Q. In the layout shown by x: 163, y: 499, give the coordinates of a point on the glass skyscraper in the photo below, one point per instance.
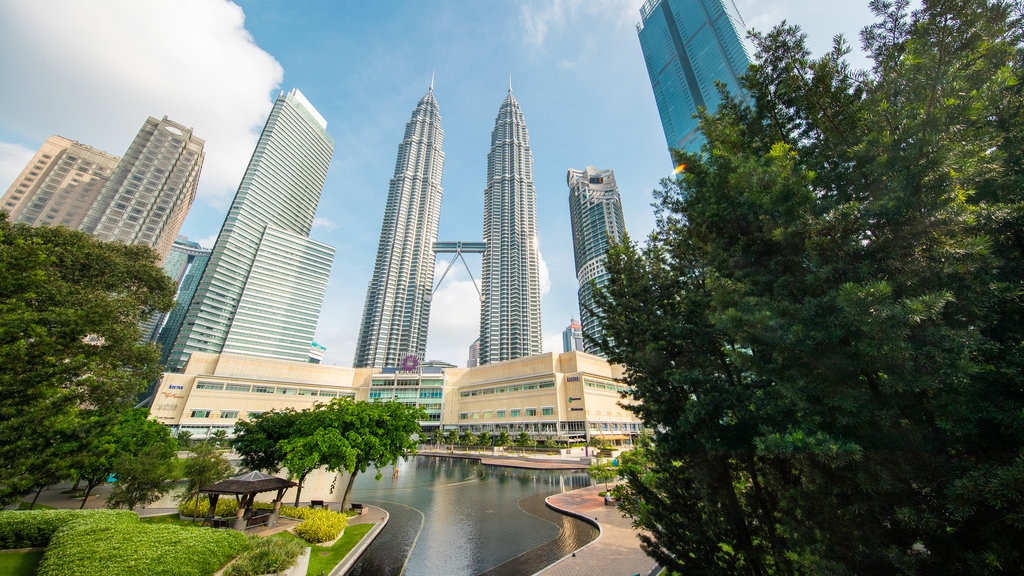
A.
x: 510, y: 321
x: 397, y: 306
x: 185, y: 265
x: 595, y: 210
x: 263, y: 287
x: 687, y: 46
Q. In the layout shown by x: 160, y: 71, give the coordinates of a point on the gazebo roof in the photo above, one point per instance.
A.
x: 248, y: 483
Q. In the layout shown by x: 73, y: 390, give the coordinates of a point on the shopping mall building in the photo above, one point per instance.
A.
x: 568, y: 396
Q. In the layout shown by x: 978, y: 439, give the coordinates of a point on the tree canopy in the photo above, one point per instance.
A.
x: 69, y: 342
x: 825, y: 330
x: 342, y: 436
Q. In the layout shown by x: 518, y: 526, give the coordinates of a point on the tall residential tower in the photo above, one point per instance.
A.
x: 687, y: 46
x: 595, y: 210
x: 146, y: 199
x: 59, y: 185
x: 263, y: 287
x: 510, y: 307
x: 398, y: 298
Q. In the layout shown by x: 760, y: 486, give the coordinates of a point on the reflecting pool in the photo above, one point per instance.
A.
x: 457, y: 516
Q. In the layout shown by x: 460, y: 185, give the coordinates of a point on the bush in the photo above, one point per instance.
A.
x: 117, y: 544
x: 266, y: 556
x: 34, y: 528
x: 199, y: 508
x: 321, y: 525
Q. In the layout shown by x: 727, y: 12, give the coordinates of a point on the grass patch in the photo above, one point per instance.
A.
x: 320, y: 563
x: 172, y: 519
x: 20, y: 563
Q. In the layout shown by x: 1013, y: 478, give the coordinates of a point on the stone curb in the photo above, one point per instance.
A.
x: 353, y: 556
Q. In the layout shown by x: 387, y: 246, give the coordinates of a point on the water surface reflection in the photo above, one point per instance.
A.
x: 456, y: 516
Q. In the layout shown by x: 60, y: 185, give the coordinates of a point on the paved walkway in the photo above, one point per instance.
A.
x: 615, y: 552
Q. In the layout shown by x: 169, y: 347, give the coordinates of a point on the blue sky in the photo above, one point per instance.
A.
x: 93, y: 71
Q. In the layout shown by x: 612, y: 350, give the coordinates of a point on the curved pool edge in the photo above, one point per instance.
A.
x: 355, y: 553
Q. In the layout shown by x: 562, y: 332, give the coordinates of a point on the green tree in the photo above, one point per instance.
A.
x: 220, y: 438
x: 318, y: 440
x: 603, y: 472
x: 466, y: 438
x: 825, y: 328
x: 484, y: 439
x: 144, y: 466
x: 184, y: 439
x: 523, y: 440
x: 451, y: 437
x: 69, y: 339
x: 257, y: 440
x: 381, y: 434
x: 206, y: 465
x: 503, y: 439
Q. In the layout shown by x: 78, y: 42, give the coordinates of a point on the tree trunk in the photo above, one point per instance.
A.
x: 348, y: 488
x: 36, y: 497
x: 88, y: 489
x: 298, y: 489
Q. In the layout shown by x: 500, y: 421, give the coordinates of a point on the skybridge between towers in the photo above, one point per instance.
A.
x: 458, y: 248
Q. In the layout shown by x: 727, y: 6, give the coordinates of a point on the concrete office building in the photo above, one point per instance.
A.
x: 59, y: 184
x: 147, y: 197
x: 687, y: 46
x: 264, y: 285
x: 568, y: 397
x: 595, y: 210
x: 510, y: 317
x: 397, y: 307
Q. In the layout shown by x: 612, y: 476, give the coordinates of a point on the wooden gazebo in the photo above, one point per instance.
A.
x: 245, y: 488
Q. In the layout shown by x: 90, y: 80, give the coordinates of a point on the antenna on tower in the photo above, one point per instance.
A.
x: 510, y: 81
x: 431, y: 80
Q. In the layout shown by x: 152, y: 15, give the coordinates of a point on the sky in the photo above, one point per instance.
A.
x: 93, y: 71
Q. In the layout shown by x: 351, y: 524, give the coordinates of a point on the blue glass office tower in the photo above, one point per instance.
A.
x: 687, y: 46
x: 262, y: 289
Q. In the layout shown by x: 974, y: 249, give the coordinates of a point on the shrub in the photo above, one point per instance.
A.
x: 109, y: 545
x: 266, y: 556
x: 199, y: 508
x: 34, y: 528
x: 321, y: 525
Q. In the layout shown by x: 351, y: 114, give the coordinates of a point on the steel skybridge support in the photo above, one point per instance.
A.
x: 458, y: 248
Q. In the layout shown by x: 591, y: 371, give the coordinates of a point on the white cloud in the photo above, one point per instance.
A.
x: 553, y: 342
x: 208, y: 242
x: 454, y: 316
x: 98, y: 69
x: 539, y: 19
x: 545, y: 276
x: 322, y: 223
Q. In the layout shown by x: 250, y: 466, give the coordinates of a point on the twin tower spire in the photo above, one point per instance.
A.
x: 393, y: 332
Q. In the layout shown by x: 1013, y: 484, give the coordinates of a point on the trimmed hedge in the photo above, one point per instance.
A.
x: 34, y: 528
x: 198, y: 508
x: 321, y: 525
x: 114, y: 545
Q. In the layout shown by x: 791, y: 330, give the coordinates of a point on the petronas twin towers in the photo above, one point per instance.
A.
x: 394, y: 328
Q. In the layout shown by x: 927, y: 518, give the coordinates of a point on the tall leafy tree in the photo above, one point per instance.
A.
x: 206, y: 465
x: 144, y: 466
x: 381, y: 433
x: 257, y: 440
x: 825, y: 329
x: 69, y: 340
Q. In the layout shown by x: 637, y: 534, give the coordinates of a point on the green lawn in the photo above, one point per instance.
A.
x: 19, y: 563
x: 323, y: 559
x: 169, y: 519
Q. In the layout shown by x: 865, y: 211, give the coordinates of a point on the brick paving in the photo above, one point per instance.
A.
x: 615, y: 552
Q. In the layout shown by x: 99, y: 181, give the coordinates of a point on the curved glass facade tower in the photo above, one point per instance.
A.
x: 595, y: 210
x: 510, y: 307
x: 398, y: 298
x: 687, y: 46
x: 263, y: 287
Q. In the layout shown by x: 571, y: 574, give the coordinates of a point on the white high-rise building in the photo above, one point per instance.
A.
x: 262, y: 290
x: 510, y: 320
x: 595, y: 210
x: 398, y: 297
